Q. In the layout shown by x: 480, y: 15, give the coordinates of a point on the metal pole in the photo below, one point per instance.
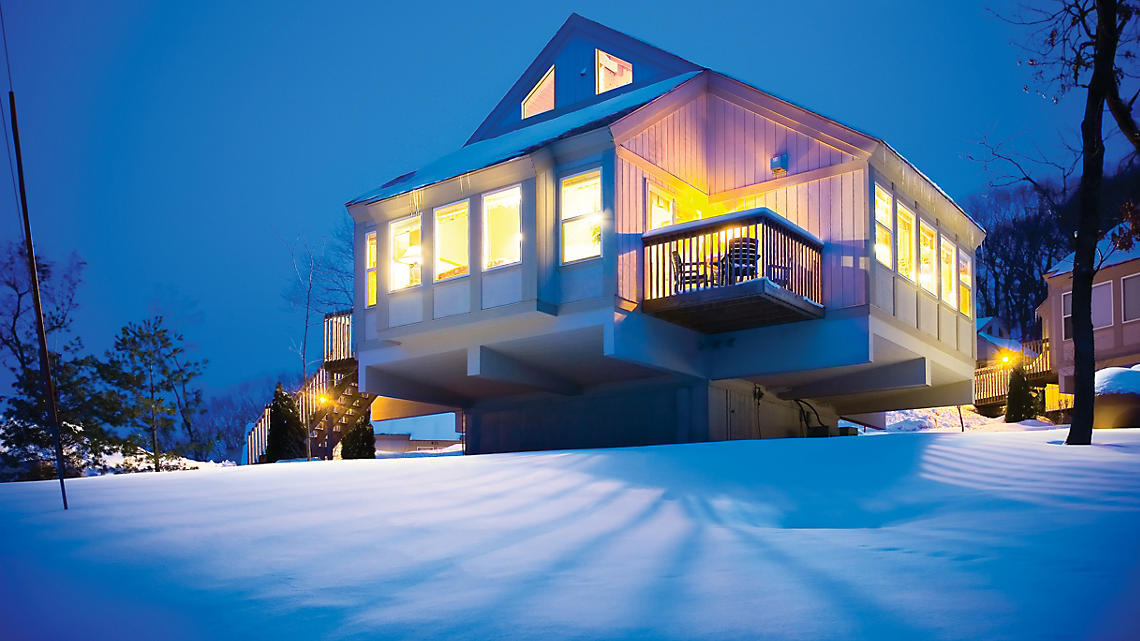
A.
x: 45, y: 366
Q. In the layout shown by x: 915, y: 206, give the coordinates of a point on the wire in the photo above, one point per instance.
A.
x: 4, y: 118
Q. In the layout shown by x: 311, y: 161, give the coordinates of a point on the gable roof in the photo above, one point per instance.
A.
x: 577, y: 26
x: 1107, y: 255
x: 522, y: 141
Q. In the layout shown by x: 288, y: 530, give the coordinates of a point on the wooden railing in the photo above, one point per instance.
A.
x: 730, y: 249
x: 338, y: 336
x: 316, y: 391
x: 991, y: 383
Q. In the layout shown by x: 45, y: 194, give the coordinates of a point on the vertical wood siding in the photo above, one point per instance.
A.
x: 730, y: 148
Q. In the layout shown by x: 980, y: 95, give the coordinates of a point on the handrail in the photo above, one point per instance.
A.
x: 727, y: 250
x: 991, y: 382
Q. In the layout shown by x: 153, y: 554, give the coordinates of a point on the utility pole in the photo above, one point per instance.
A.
x: 45, y: 365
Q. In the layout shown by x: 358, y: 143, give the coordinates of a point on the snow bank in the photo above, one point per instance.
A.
x: 945, y: 419
x: 1118, y: 380
x: 938, y: 536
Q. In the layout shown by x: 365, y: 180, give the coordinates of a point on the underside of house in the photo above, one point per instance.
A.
x: 651, y: 252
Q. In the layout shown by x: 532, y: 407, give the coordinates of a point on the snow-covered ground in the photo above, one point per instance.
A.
x: 908, y: 536
x: 947, y: 419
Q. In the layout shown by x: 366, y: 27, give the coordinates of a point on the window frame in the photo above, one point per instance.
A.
x: 598, y: 77
x: 562, y: 220
x: 934, y: 290
x: 435, y: 241
x: 913, y: 275
x: 371, y: 262
x: 1123, y: 307
x: 650, y: 188
x: 952, y: 302
x: 530, y: 94
x: 391, y: 251
x: 483, y: 227
x: 969, y: 287
x: 1111, y: 310
x: 889, y: 227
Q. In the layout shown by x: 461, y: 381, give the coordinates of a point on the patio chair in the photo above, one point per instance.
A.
x: 739, y: 262
x: 687, y: 275
x: 779, y: 274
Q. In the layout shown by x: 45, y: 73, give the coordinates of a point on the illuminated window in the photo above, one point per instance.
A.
x: 404, y: 254
x: 370, y: 269
x: 927, y: 274
x: 883, y: 205
x: 541, y: 98
x: 502, y: 238
x: 582, y: 216
x: 965, y: 283
x: 451, y: 241
x: 612, y: 72
x: 1101, y: 309
x: 949, y: 252
x: 661, y: 209
x: 906, y: 242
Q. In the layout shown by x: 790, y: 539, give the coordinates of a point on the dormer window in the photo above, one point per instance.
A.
x: 612, y: 72
x: 541, y: 98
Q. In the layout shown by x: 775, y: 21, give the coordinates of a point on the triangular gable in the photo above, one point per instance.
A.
x: 571, y: 53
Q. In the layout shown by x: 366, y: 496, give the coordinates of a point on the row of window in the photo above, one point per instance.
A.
x: 1102, y: 305
x: 924, y: 256
x: 581, y: 235
x: 610, y: 72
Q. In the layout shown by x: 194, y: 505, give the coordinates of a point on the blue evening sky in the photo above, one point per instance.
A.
x: 179, y: 147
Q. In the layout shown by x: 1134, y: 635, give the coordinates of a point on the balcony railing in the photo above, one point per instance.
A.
x: 729, y: 250
x: 736, y: 271
x: 991, y: 383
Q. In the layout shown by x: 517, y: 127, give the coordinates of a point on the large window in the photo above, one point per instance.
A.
x: 582, y: 216
x: 404, y: 253
x: 541, y: 98
x: 502, y: 236
x: 927, y: 273
x: 661, y: 208
x: 884, y: 204
x: 370, y: 269
x: 1101, y: 309
x: 906, y: 242
x: 965, y: 283
x: 1131, y: 295
x: 451, y: 241
x: 949, y: 254
x: 612, y: 72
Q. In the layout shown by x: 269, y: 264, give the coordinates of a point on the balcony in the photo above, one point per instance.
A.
x: 738, y: 271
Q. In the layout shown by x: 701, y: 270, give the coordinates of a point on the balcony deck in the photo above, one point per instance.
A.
x: 749, y: 269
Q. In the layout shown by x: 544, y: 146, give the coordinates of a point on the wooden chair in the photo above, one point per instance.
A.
x: 740, y: 260
x: 687, y: 275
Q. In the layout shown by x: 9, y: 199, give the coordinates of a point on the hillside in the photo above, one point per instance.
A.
x: 901, y: 536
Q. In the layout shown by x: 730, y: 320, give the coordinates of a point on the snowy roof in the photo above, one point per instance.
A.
x: 1118, y: 380
x: 1106, y: 255
x: 1001, y: 343
x: 522, y: 141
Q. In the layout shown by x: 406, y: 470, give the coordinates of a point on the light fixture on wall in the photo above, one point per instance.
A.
x: 779, y: 164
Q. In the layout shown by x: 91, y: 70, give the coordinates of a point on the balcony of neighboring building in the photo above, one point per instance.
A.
x: 736, y: 271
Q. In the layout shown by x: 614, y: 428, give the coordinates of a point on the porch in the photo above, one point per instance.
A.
x: 738, y: 271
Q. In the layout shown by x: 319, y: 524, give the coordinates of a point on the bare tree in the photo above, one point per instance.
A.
x: 300, y: 295
x: 1088, y: 45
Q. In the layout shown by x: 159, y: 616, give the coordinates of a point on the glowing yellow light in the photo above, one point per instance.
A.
x: 323, y: 399
x: 1005, y: 359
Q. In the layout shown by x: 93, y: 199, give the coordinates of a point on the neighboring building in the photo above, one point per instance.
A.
x: 418, y: 434
x: 995, y: 341
x: 632, y: 249
x: 1115, y: 311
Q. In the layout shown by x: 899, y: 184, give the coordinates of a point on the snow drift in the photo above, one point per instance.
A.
x: 904, y: 536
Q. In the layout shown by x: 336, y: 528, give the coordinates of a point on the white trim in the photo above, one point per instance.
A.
x: 372, y: 273
x: 563, y: 220
x: 650, y: 187
x: 1122, y: 306
x: 483, y: 223
x: 933, y: 227
x: 912, y: 278
x: 435, y: 240
x: 943, y: 238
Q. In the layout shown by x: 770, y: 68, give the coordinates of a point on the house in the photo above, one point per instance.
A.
x: 634, y: 249
x: 1115, y: 311
x: 418, y: 434
x: 996, y: 340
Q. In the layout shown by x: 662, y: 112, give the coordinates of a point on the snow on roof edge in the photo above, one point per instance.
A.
x: 1107, y: 255
x: 513, y: 144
